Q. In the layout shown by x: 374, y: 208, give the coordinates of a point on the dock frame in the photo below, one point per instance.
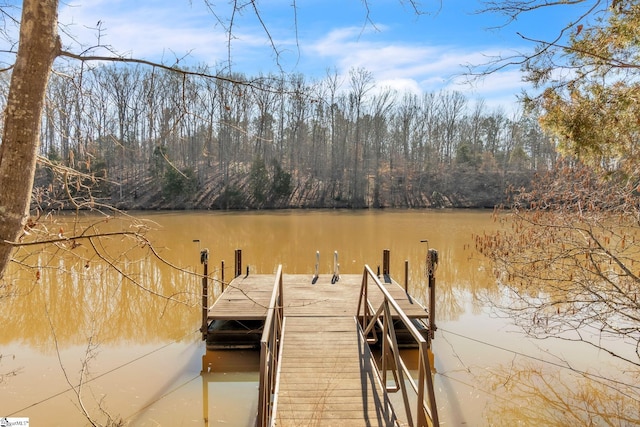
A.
x: 329, y: 347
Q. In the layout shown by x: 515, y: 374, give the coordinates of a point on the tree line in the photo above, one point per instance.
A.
x: 145, y: 137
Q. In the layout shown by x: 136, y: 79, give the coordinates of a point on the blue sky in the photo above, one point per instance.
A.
x: 403, y: 51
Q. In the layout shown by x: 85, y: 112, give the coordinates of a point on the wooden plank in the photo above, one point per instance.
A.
x: 327, y: 412
x: 347, y: 398
x: 244, y: 298
x: 325, y: 376
x: 249, y: 297
x: 297, y: 422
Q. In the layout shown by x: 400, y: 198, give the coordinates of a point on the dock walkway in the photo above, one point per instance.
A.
x: 326, y: 376
x: 325, y: 372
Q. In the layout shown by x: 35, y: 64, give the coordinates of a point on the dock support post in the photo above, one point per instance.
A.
x: 204, y: 260
x: 406, y: 275
x: 386, y: 270
x: 432, y: 265
x: 238, y: 262
x: 222, y: 274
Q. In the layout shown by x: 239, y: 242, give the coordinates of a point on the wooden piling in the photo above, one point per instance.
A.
x: 222, y: 274
x: 406, y: 275
x: 204, y: 260
x: 386, y: 255
x: 238, y: 262
x: 432, y: 264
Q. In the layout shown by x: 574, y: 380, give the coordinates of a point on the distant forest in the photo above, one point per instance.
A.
x: 143, y: 138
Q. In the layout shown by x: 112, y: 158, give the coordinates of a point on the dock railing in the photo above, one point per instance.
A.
x: 369, y: 317
x: 270, y: 352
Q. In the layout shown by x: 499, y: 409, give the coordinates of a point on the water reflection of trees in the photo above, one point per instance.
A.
x: 111, y: 287
x: 120, y: 298
x: 461, y: 277
x: 100, y: 299
x: 567, y: 257
x: 540, y: 395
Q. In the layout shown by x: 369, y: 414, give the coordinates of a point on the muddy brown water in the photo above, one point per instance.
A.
x: 78, y: 336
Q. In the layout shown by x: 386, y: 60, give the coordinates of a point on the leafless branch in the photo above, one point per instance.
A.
x: 617, y: 63
x: 513, y: 9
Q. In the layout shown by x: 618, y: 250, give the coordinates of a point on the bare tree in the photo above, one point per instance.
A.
x: 361, y: 82
x: 118, y: 117
x: 535, y: 394
x: 39, y: 45
x: 382, y: 104
x: 567, y: 261
x: 568, y: 253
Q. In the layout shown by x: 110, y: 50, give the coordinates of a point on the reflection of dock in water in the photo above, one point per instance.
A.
x: 229, y: 384
x: 314, y: 333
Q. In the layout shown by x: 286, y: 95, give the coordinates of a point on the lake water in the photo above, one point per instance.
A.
x: 138, y: 354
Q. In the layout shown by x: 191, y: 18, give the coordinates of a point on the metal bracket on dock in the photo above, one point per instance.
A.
x: 315, y: 276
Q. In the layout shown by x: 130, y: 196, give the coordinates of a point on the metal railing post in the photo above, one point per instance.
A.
x: 315, y: 276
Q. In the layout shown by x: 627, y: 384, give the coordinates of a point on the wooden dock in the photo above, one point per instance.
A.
x: 247, y: 297
x: 316, y: 363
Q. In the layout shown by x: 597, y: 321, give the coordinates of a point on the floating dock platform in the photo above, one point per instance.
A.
x: 317, y: 336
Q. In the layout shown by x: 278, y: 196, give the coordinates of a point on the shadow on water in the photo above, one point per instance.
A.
x: 229, y: 386
x: 181, y: 377
x: 230, y: 380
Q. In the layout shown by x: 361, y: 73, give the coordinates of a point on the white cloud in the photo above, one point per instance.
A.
x: 138, y: 29
x: 400, y: 85
x: 144, y: 30
x: 418, y: 67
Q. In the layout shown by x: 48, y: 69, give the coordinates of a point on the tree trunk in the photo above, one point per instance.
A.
x: 39, y: 45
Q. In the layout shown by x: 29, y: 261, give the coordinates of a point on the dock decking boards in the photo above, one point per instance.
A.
x: 325, y: 373
x: 248, y: 297
x: 326, y: 377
